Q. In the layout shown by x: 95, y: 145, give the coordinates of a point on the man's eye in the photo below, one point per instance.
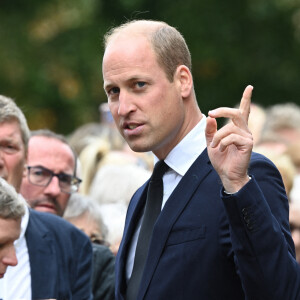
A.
x: 140, y: 84
x: 37, y: 173
x: 114, y: 90
x: 9, y: 148
x: 65, y: 178
x: 40, y: 173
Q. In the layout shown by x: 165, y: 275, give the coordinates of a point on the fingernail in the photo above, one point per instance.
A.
x: 212, y: 112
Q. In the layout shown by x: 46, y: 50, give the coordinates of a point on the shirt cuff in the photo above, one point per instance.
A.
x: 226, y: 193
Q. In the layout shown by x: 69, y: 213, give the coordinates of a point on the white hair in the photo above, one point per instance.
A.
x: 117, y: 183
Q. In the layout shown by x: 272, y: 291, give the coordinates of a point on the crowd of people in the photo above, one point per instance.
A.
x: 67, y: 201
x: 43, y: 168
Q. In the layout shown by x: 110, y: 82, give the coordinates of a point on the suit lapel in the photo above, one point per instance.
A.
x: 43, y: 265
x: 134, y: 213
x: 173, y: 208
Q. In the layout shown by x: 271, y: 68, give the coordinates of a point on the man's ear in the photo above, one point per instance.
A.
x: 184, y: 76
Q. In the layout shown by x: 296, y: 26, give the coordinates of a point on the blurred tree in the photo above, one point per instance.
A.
x: 50, y: 52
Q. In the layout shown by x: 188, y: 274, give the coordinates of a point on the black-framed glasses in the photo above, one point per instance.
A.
x: 42, y: 177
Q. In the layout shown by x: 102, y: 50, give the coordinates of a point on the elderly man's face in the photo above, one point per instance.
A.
x: 9, y: 232
x: 51, y: 155
x: 88, y: 225
x: 12, y: 153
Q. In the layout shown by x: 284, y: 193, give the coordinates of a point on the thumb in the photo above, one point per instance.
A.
x: 211, y: 129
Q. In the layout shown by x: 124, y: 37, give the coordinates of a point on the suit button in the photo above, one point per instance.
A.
x: 247, y: 219
x: 250, y: 226
x: 245, y: 211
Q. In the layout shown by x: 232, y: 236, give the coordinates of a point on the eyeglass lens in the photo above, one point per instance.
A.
x: 42, y: 177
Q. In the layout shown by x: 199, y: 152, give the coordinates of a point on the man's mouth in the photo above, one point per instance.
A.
x: 132, y: 129
x: 132, y: 126
x: 46, y: 207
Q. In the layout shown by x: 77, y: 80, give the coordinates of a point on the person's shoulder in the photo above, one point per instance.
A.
x: 55, y: 224
x: 48, y: 218
x: 103, y: 259
x: 101, y: 250
x: 262, y: 166
x: 258, y: 158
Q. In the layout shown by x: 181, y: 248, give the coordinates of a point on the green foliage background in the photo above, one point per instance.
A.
x: 51, y: 51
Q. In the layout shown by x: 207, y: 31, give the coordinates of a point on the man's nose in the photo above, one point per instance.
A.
x: 126, y: 103
x: 53, y: 187
x: 10, y: 259
x: 1, y: 158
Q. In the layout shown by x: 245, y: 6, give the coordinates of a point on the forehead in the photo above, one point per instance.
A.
x: 139, y: 55
x: 10, y: 129
x: 9, y: 229
x: 50, y: 153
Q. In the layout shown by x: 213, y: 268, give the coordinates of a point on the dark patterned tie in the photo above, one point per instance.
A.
x: 152, y: 210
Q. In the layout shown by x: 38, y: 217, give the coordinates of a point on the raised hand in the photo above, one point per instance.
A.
x: 229, y: 148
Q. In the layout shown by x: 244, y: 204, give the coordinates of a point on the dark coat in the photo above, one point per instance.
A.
x: 212, y: 246
x: 60, y: 258
x: 103, y: 279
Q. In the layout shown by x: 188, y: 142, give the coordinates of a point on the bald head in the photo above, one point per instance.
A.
x: 166, y: 41
x: 145, y: 28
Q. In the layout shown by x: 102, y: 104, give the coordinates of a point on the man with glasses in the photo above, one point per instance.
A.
x: 54, y: 257
x: 50, y: 178
x: 47, y: 185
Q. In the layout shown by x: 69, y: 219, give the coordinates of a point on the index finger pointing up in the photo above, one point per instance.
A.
x: 245, y: 102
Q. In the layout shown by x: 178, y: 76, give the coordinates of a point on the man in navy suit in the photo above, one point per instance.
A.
x: 223, y: 231
x: 54, y: 257
x: 49, y: 154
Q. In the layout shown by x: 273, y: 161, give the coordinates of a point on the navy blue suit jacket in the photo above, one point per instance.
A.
x: 60, y: 258
x: 208, y: 245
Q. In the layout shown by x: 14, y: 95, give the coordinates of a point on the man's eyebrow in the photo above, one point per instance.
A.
x: 107, y: 86
x: 46, y: 169
x: 137, y: 77
x: 128, y: 80
x: 9, y: 139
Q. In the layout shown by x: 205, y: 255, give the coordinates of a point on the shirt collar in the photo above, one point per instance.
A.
x: 183, y: 155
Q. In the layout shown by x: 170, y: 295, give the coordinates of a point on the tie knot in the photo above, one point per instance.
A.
x: 159, y: 170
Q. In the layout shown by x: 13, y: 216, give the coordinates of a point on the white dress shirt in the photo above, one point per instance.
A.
x: 180, y: 159
x: 16, y: 283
